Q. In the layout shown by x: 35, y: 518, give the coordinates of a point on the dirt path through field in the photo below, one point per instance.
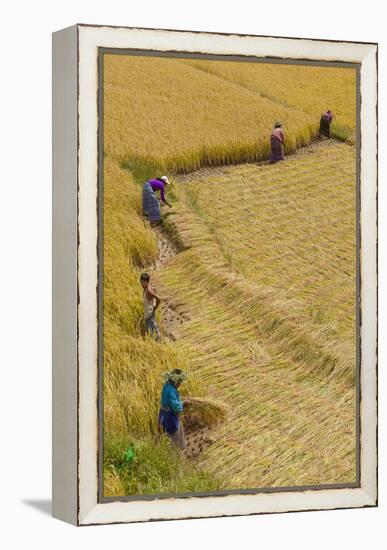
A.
x: 307, y: 150
x: 198, y: 436
x: 171, y: 315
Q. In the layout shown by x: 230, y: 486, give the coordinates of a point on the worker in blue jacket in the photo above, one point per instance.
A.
x: 171, y: 407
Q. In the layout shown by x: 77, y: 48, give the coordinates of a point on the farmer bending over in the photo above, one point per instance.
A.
x: 171, y: 407
x: 151, y: 303
x: 159, y: 184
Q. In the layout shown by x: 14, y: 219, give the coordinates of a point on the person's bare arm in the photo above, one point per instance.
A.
x: 152, y: 295
x: 163, y: 198
x: 167, y: 202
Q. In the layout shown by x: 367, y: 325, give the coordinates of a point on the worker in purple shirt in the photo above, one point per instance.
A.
x: 158, y: 184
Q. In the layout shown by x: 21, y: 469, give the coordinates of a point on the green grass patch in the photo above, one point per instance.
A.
x: 142, y: 169
x: 154, y: 466
x: 342, y: 133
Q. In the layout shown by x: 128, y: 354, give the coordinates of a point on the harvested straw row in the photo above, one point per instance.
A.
x: 261, y: 352
x: 309, y: 253
x: 208, y: 411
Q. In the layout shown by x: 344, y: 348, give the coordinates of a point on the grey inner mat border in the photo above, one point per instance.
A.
x: 100, y: 212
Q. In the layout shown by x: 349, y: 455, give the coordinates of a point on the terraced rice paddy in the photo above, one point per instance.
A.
x: 306, y: 88
x: 285, y: 366
x: 287, y: 237
x: 255, y: 265
x: 181, y: 114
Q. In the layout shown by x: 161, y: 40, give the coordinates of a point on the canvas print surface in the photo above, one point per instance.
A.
x: 228, y: 275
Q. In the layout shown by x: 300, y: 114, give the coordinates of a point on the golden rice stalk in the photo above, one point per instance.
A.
x: 205, y: 410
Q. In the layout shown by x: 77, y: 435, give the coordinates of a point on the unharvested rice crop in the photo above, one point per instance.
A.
x: 312, y: 89
x: 133, y: 365
x: 182, y: 114
x: 182, y: 118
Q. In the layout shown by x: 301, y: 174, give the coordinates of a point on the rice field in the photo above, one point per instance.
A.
x: 189, y: 117
x: 259, y: 293
x: 134, y: 365
x: 164, y: 126
x: 304, y: 254
x: 279, y: 351
x: 311, y: 89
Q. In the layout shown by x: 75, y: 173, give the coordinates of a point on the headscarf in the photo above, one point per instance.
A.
x: 175, y: 376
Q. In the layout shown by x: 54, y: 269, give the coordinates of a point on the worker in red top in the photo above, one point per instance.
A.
x: 325, y: 124
x: 277, y: 140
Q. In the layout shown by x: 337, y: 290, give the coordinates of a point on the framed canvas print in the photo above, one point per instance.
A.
x: 214, y: 274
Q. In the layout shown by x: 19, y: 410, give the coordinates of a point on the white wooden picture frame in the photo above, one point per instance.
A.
x: 76, y: 497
